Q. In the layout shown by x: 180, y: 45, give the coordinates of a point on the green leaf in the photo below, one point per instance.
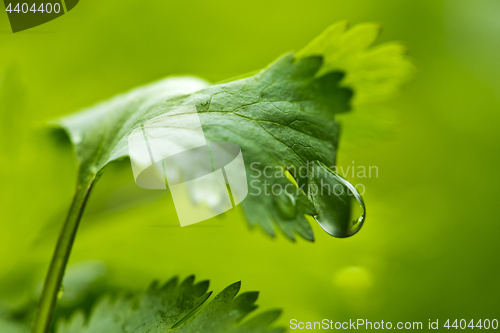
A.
x: 282, y: 118
x: 174, y: 307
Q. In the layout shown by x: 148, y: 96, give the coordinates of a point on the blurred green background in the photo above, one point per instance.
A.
x: 430, y: 245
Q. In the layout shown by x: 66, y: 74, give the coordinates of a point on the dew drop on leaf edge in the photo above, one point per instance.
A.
x: 341, y: 209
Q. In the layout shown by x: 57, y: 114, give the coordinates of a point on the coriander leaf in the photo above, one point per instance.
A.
x: 282, y: 118
x: 173, y: 307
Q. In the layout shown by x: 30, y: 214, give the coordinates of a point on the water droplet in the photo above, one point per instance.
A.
x: 340, y: 207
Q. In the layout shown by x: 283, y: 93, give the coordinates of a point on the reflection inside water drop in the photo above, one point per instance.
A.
x: 340, y: 207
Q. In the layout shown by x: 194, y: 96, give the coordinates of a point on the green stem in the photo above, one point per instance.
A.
x: 53, y: 280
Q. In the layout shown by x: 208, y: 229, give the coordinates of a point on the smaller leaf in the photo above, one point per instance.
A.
x: 173, y: 307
